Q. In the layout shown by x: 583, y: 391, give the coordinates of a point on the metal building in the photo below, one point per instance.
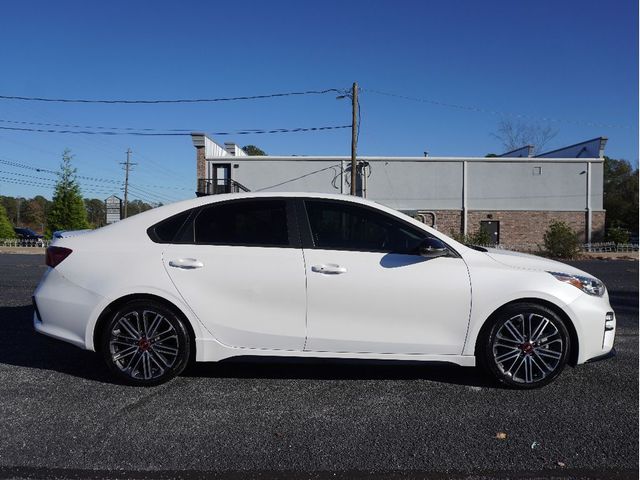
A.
x: 513, y: 198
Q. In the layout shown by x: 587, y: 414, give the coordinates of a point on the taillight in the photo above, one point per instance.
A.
x: 55, y: 255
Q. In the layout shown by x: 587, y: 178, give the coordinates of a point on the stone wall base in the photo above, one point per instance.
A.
x: 519, y: 227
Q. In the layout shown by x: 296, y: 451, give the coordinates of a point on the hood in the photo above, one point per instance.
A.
x: 527, y: 261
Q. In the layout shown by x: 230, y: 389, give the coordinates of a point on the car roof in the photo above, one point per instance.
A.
x: 194, y: 202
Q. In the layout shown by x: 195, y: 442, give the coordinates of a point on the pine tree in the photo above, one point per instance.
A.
x: 67, y: 209
x: 6, y: 230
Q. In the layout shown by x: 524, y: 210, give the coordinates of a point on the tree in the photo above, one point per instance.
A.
x: 6, y: 230
x: 137, y: 206
x: 67, y: 209
x: 514, y: 135
x: 620, y: 194
x: 10, y: 205
x: 33, y: 214
x: 253, y: 151
x: 96, y: 212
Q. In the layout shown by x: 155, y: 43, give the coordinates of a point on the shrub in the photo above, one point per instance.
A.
x: 618, y: 235
x: 6, y: 230
x: 560, y: 241
x: 479, y: 237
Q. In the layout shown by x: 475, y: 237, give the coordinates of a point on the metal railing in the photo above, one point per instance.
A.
x: 216, y: 186
x: 602, y: 247
x: 17, y: 242
x: 610, y: 247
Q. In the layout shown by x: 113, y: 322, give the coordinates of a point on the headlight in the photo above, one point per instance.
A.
x: 589, y: 285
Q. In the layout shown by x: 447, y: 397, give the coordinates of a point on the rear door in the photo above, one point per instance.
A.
x: 240, y: 268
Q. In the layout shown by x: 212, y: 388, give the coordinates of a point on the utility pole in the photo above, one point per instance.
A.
x: 127, y: 167
x: 354, y: 135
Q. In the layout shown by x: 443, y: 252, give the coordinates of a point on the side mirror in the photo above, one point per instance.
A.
x: 432, y: 248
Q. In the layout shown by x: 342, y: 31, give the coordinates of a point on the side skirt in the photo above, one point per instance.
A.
x: 212, y: 351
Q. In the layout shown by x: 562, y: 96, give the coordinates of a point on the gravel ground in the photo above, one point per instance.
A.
x: 61, y: 416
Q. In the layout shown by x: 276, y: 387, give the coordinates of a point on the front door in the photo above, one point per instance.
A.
x: 367, y: 291
x: 243, y: 274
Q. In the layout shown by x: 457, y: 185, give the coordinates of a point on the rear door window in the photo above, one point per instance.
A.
x: 243, y: 223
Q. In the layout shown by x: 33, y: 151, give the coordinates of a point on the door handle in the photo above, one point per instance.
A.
x: 330, y: 268
x: 186, y: 263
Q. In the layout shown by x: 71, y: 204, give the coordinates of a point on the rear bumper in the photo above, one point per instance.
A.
x: 62, y: 309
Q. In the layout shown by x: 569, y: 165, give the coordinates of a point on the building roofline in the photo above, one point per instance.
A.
x: 575, y: 145
x: 198, y: 139
x: 315, y: 158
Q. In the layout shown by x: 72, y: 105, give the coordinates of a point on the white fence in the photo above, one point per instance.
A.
x: 15, y: 242
x: 610, y: 247
x: 522, y: 247
x: 604, y: 247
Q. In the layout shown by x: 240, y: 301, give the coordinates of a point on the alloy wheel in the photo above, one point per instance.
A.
x: 144, y: 344
x: 528, y: 347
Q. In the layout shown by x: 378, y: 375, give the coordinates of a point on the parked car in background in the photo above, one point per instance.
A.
x: 29, y: 238
x: 313, y: 275
x: 69, y: 233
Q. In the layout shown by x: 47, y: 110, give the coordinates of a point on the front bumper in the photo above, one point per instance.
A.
x: 595, y: 325
x: 612, y: 353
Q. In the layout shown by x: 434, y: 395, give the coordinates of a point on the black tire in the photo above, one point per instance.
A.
x: 525, y: 346
x: 145, y: 343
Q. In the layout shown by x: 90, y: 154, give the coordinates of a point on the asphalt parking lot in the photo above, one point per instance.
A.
x: 62, y: 416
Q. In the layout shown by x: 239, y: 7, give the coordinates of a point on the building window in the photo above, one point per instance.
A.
x: 537, y: 170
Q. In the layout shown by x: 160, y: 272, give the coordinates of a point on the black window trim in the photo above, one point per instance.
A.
x: 293, y: 230
x: 307, y: 237
x: 151, y: 231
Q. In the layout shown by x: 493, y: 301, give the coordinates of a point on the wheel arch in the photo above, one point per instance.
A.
x: 113, y: 306
x: 573, y: 335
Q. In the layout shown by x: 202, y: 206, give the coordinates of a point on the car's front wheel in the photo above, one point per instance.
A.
x: 145, y: 343
x: 525, y: 346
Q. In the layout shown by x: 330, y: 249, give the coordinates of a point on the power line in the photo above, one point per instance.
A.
x: 83, y: 177
x: 46, y: 179
x: 162, y: 196
x: 68, y: 125
x: 49, y: 185
x: 494, y: 112
x: 181, y: 100
x: 173, y: 133
x: 300, y: 177
x: 158, y: 197
x: 53, y: 172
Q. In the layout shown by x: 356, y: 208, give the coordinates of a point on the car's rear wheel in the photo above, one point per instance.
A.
x: 525, y: 346
x: 145, y: 343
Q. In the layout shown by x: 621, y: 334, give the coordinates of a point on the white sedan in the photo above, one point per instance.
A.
x: 313, y: 275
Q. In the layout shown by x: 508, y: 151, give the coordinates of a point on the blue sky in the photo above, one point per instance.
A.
x: 575, y: 62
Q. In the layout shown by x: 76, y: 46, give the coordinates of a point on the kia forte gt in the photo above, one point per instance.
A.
x: 313, y: 275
